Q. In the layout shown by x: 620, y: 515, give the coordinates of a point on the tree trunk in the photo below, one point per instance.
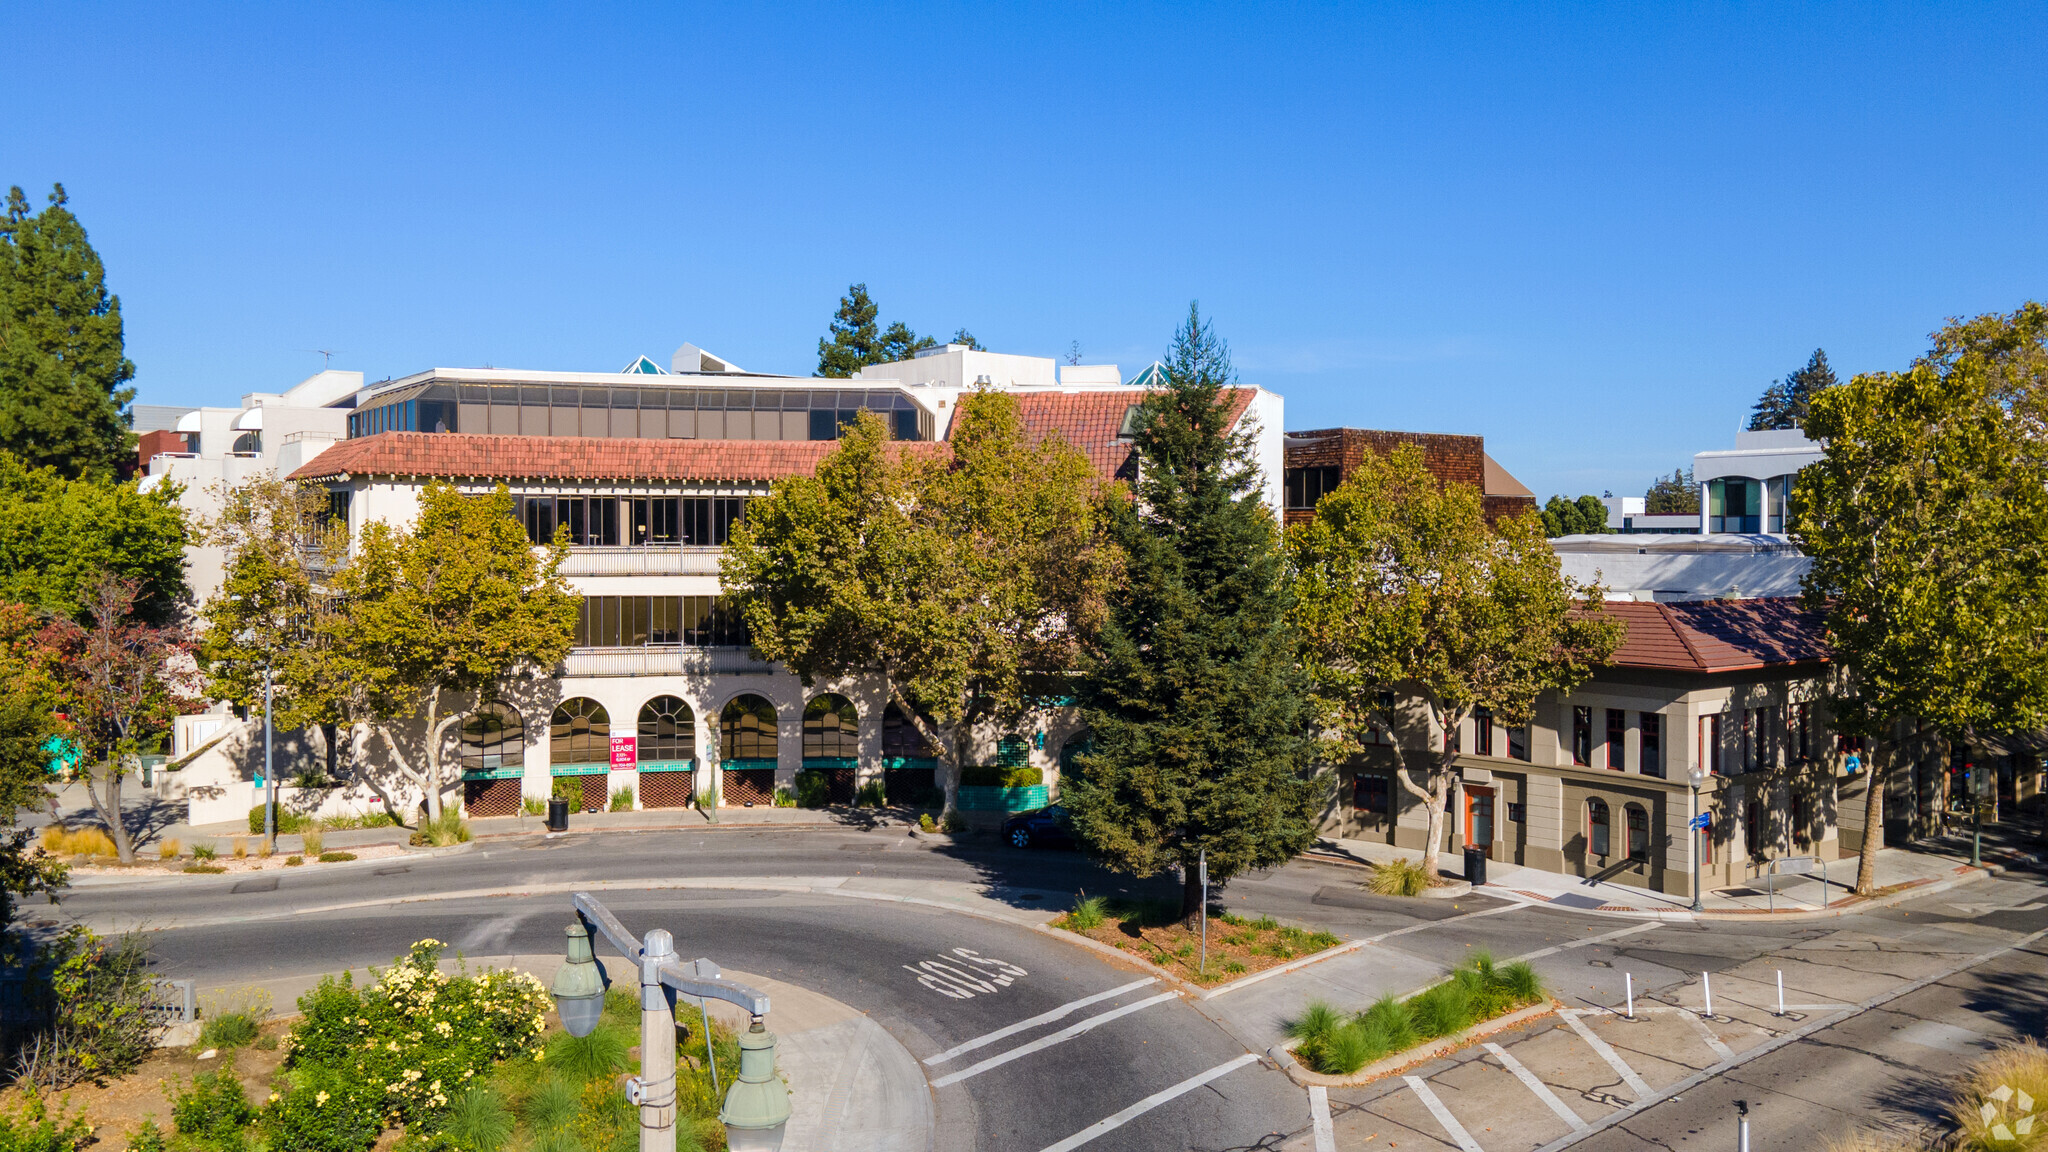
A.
x: 1191, y: 907
x: 949, y: 774
x: 109, y: 811
x: 405, y: 773
x: 432, y: 760
x: 1873, y: 826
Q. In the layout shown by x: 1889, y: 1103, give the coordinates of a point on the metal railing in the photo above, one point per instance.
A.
x: 632, y: 560
x: 672, y: 661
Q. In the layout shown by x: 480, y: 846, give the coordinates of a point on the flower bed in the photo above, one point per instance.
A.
x: 1152, y: 931
x: 1477, y: 991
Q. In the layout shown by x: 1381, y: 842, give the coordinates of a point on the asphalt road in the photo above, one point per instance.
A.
x: 229, y: 929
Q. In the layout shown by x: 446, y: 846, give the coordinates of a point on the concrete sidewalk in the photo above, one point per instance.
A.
x: 853, y: 1087
x: 1901, y: 874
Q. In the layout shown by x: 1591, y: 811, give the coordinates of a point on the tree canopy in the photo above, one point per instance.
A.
x: 1785, y: 403
x: 961, y: 583
x: 1927, y: 522
x: 1586, y: 516
x: 857, y: 338
x: 58, y: 535
x: 63, y: 371
x: 1405, y: 598
x: 274, y: 538
x: 1673, y: 495
x: 1192, y: 690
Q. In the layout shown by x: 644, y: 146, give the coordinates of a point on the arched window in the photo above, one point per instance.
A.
x: 667, y: 730
x: 580, y: 734
x: 1596, y: 827
x: 247, y: 444
x: 901, y: 739
x: 746, y: 729
x: 831, y: 727
x: 493, y: 737
x: 1638, y: 822
x: 1079, y: 744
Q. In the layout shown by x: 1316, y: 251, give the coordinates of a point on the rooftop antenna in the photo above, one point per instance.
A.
x: 328, y: 353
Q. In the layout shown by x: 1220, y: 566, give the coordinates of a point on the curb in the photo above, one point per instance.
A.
x: 406, y: 853
x: 1420, y: 1054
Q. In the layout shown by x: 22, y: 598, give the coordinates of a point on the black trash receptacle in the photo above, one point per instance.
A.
x: 558, y: 815
x: 1475, y: 866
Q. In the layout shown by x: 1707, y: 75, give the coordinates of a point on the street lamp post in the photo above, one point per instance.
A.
x: 1696, y: 777
x: 269, y: 771
x: 756, y: 1106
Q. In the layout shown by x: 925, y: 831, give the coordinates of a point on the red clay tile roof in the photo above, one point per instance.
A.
x: 1718, y: 635
x: 455, y: 454
x: 1090, y: 421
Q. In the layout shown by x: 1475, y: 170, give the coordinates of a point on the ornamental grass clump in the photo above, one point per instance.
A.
x: 1398, y: 878
x: 1477, y: 991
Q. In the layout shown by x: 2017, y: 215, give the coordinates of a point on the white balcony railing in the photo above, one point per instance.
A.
x: 641, y: 561
x: 663, y: 662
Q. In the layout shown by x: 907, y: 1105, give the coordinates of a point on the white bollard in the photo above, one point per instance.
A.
x: 1707, y: 990
x: 1781, y: 992
x: 1630, y: 977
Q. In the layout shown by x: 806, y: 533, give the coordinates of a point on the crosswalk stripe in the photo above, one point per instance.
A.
x: 1319, y: 1116
x: 1628, y: 1075
x: 1149, y: 1103
x: 1059, y: 1037
x: 1066, y: 1009
x: 1541, y: 1089
x: 1459, y: 1136
x: 1707, y: 1034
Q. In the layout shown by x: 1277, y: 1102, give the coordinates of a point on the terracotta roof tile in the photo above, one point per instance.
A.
x: 1718, y: 635
x: 1090, y: 420
x: 455, y: 454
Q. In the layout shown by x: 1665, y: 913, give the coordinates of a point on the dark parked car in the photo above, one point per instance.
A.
x: 1039, y: 826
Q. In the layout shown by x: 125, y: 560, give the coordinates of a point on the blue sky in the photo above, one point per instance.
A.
x: 1590, y: 234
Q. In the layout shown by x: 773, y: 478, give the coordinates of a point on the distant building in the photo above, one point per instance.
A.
x: 1319, y: 461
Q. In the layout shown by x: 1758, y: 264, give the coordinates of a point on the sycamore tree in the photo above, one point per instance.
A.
x: 442, y: 612
x: 959, y: 581
x: 276, y: 540
x: 1406, y: 599
x: 63, y: 372
x: 1927, y: 522
x: 118, y: 689
x: 1192, y: 689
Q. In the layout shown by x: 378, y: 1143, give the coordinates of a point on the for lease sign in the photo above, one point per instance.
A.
x: 625, y: 752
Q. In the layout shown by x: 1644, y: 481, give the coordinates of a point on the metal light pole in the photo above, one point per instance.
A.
x: 1696, y: 777
x: 269, y: 773
x: 756, y: 1107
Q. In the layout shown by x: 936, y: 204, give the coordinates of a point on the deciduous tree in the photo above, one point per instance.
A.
x: 451, y: 607
x: 1192, y: 688
x: 58, y: 535
x: 1927, y: 522
x: 28, y: 704
x: 276, y: 541
x: 1404, y: 597
x: 63, y: 372
x: 1585, y: 516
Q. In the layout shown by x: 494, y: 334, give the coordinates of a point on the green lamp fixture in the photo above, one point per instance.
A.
x: 579, y: 985
x: 757, y: 1105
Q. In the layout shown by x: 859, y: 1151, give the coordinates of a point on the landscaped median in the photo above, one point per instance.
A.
x: 1152, y: 931
x: 1478, y: 997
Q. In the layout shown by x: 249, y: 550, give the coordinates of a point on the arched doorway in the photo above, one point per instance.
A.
x: 580, y: 752
x: 832, y: 744
x: 747, y: 750
x: 909, y: 761
x: 667, y: 743
x: 493, y: 757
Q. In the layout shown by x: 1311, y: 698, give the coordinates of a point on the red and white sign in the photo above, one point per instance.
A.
x: 625, y: 753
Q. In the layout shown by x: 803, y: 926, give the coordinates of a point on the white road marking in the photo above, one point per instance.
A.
x: 1042, y: 1018
x: 950, y: 979
x: 1319, y: 1116
x: 1459, y: 1136
x: 1541, y: 1089
x: 1628, y: 1075
x: 1044, y: 1042
x: 1707, y: 1034
x: 1600, y: 939
x: 1428, y: 924
x: 1147, y: 1104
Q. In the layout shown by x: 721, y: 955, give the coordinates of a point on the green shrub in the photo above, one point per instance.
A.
x: 206, y: 852
x: 366, y: 820
x: 534, y: 806
x: 207, y: 868
x: 1088, y: 914
x: 602, y: 1053
x: 288, y: 823
x: 232, y: 1023
x: 622, y: 800
x: 1023, y: 778
x: 36, y: 1129
x: 447, y: 830
x: 812, y: 789
x: 1398, y: 878
x: 955, y: 822
x: 784, y: 798
x: 88, y: 1011
x: 324, y: 1110
x: 1314, y: 1028
x: 214, y: 1107
x: 1475, y: 992
x: 871, y: 795
x: 925, y: 823
x: 144, y: 1137
x: 294, y: 861
x: 477, y: 1120
x: 336, y: 857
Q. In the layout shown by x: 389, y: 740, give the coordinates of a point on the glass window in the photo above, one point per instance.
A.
x: 1638, y: 831
x: 1710, y: 744
x: 1518, y: 743
x: 1596, y: 827
x: 1617, y: 740
x: 1735, y: 504
x: 1482, y: 731
x: 1305, y: 486
x: 1651, y: 742
x: 900, y: 737
x: 746, y: 729
x: 1371, y: 796
x: 1582, y: 736
x: 667, y: 730
x: 493, y: 737
x: 831, y: 727
x: 580, y: 733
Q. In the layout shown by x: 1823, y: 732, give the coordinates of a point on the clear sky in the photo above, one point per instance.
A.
x: 1590, y: 234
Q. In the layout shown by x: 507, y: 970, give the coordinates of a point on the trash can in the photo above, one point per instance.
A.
x: 1475, y: 866
x: 558, y: 814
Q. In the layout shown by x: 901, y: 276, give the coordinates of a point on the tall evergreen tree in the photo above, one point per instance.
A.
x: 858, y: 338
x: 1673, y: 495
x: 63, y: 400
x: 1193, y: 690
x: 1784, y: 404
